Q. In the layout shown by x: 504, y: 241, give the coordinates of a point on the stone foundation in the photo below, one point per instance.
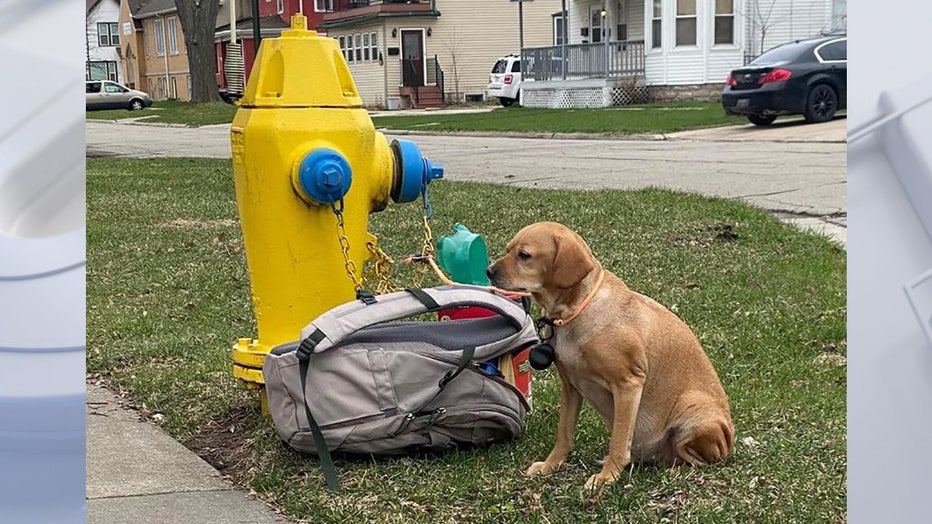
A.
x: 707, y: 92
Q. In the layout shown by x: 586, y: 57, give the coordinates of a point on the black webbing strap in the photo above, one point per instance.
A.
x: 424, y: 298
x: 465, y: 360
x: 304, y: 352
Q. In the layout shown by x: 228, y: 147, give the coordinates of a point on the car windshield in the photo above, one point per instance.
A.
x: 780, y: 55
x: 499, y: 67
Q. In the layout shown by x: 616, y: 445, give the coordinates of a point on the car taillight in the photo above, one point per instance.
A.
x: 730, y: 81
x: 508, y: 79
x: 777, y: 75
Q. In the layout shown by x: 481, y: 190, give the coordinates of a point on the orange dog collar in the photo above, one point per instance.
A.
x: 560, y: 322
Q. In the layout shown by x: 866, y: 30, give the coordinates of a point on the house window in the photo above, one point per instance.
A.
x: 102, y: 70
x: 558, y: 29
x: 656, y: 36
x: 724, y: 21
x: 342, y: 40
x: 172, y: 36
x: 162, y: 88
x: 595, y: 25
x: 365, y: 47
x: 108, y: 34
x: 621, y: 32
x: 374, y: 44
x: 159, y: 34
x: 350, y: 49
x: 358, y: 41
x: 686, y: 22
x: 280, y: 6
x: 174, y: 88
x: 323, y: 6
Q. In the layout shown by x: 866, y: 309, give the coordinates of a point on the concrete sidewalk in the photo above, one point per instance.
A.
x: 137, y: 474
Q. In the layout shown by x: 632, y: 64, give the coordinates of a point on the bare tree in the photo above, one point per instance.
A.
x: 452, y: 44
x: 198, y: 19
x: 762, y: 20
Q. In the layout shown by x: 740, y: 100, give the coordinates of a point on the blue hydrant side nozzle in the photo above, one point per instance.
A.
x: 412, y: 171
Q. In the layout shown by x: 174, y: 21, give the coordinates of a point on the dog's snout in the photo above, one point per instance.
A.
x: 490, y: 272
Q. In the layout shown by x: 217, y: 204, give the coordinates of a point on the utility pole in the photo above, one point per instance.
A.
x: 521, y: 23
x: 563, y: 22
x: 256, y: 34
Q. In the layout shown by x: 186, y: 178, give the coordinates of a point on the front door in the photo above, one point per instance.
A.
x: 412, y: 57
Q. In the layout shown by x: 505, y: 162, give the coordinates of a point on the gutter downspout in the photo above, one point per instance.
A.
x: 165, y: 48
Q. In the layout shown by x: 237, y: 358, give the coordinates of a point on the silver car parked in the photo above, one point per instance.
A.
x: 104, y: 94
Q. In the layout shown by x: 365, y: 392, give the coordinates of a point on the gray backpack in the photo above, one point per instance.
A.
x: 360, y: 381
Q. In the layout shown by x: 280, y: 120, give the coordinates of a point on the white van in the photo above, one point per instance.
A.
x: 505, y: 80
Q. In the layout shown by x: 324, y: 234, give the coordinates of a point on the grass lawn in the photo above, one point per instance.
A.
x: 174, y: 112
x: 666, y: 118
x: 168, y: 293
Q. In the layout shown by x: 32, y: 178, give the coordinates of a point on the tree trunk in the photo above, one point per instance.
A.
x: 198, y: 19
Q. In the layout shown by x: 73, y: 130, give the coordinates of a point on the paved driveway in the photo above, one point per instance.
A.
x: 803, y: 182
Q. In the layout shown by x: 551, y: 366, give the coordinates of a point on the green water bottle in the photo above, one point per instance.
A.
x: 464, y: 256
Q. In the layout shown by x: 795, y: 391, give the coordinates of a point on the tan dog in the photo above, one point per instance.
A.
x: 634, y: 360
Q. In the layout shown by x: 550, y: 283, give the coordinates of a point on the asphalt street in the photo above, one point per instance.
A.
x: 798, y: 172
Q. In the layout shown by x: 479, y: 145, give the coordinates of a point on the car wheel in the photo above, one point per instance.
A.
x: 136, y: 105
x: 761, y: 120
x: 506, y: 101
x: 821, y: 104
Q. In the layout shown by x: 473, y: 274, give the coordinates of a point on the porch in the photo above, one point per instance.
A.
x: 598, y: 58
x: 617, y: 59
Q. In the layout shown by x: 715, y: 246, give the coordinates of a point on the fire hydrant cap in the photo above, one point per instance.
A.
x: 416, y: 171
x: 325, y: 175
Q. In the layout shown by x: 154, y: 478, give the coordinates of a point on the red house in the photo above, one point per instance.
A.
x: 274, y: 16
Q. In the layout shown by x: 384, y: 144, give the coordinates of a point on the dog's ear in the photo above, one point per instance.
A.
x: 572, y: 260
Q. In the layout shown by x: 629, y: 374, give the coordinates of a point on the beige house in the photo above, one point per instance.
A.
x: 153, y: 50
x: 418, y: 53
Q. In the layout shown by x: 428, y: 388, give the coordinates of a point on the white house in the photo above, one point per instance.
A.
x: 624, y: 51
x: 102, y: 40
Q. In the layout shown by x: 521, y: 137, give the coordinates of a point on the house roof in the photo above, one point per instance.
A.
x: 90, y: 5
x: 147, y: 8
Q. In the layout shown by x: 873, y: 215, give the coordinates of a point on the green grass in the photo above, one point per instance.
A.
x: 174, y: 112
x: 168, y: 293
x: 665, y: 118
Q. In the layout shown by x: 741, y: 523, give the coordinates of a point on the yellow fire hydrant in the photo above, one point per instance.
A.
x: 309, y: 168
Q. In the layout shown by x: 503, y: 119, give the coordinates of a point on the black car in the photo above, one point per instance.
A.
x: 807, y: 77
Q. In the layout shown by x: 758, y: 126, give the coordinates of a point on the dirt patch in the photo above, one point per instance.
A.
x: 706, y: 236
x: 224, y: 443
x: 182, y: 223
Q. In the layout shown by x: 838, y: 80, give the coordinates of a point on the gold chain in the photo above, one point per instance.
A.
x: 349, y: 265
x: 381, y: 269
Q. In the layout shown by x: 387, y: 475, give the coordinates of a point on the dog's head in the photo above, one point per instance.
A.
x: 542, y: 257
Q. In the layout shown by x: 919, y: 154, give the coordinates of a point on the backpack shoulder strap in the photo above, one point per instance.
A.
x: 333, y: 326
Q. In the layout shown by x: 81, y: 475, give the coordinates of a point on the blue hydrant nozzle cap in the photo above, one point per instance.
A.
x: 414, y: 171
x: 324, y: 175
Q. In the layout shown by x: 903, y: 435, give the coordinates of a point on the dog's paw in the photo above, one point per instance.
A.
x: 541, y: 468
x: 600, y: 479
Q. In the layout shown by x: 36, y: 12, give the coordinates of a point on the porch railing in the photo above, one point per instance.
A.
x: 599, y: 60
x: 412, y: 75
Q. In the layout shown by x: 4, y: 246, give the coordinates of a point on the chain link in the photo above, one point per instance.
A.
x: 381, y: 270
x: 349, y: 265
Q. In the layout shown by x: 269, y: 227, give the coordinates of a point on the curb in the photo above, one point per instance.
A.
x: 518, y: 134
x: 134, y: 122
